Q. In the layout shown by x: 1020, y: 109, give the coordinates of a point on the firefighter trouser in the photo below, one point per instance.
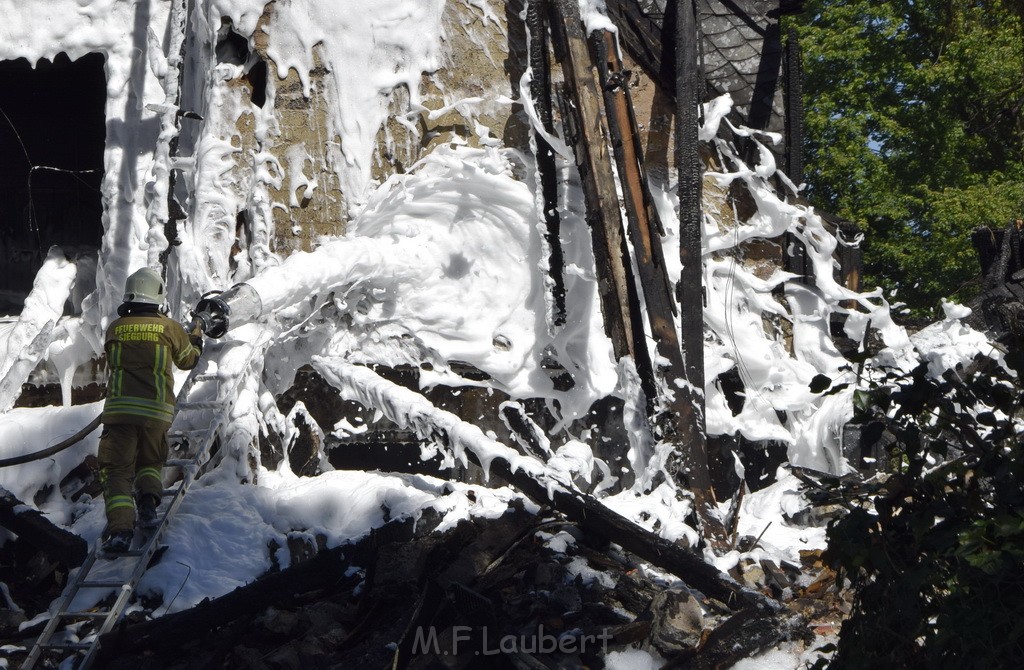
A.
x: 130, y: 457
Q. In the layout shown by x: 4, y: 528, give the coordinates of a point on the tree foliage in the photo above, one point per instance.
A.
x: 915, y: 130
x: 937, y: 555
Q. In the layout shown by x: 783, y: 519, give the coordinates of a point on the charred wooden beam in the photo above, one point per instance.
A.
x: 594, y: 517
x: 690, y: 190
x: 598, y: 183
x: 691, y: 464
x: 794, y: 252
x: 643, y: 223
x: 620, y: 302
x: 681, y: 426
x: 29, y: 525
x: 524, y: 431
x: 742, y: 635
x: 540, y: 91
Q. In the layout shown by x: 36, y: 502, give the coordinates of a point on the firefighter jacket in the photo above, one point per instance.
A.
x: 140, y: 350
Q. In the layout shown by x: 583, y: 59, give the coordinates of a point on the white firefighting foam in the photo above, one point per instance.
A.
x: 441, y: 265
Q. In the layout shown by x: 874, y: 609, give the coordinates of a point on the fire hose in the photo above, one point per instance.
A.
x: 49, y: 451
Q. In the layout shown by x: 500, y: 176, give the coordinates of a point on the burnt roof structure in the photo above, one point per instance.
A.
x: 743, y: 53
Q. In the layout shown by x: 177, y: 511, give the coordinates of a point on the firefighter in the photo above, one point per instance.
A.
x: 141, y: 345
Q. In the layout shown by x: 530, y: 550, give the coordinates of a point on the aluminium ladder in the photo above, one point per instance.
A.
x: 137, y: 560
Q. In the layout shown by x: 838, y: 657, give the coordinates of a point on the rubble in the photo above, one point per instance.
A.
x: 526, y: 590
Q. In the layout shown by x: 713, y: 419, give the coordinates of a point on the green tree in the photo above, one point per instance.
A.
x: 915, y: 130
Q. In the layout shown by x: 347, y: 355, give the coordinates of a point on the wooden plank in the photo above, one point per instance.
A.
x: 643, y: 222
x: 680, y: 425
x: 616, y: 287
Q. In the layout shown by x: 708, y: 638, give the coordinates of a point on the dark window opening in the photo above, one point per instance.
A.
x: 52, y: 136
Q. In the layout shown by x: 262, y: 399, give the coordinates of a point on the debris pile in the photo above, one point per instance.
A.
x: 528, y: 588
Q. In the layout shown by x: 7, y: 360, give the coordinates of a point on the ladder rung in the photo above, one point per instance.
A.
x: 66, y: 645
x: 108, y: 583
x: 174, y: 434
x: 201, y: 404
x: 179, y: 462
x: 207, y: 377
x: 84, y: 615
x: 171, y: 492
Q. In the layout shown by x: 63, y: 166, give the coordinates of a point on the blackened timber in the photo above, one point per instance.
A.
x: 594, y: 517
x: 690, y: 464
x: 690, y: 187
x: 524, y: 431
x: 620, y: 302
x: 598, y: 183
x: 540, y: 91
x: 32, y: 527
x: 794, y: 253
x: 743, y: 635
x: 643, y: 223
x: 683, y: 427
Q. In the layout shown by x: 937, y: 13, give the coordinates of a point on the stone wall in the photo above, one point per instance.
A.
x: 476, y: 91
x: 485, y: 55
x: 303, y: 149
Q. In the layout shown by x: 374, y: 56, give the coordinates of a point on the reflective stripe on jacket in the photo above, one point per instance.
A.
x: 140, y: 350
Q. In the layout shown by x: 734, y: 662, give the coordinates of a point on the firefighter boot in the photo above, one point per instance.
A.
x: 148, y: 517
x: 118, y: 542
